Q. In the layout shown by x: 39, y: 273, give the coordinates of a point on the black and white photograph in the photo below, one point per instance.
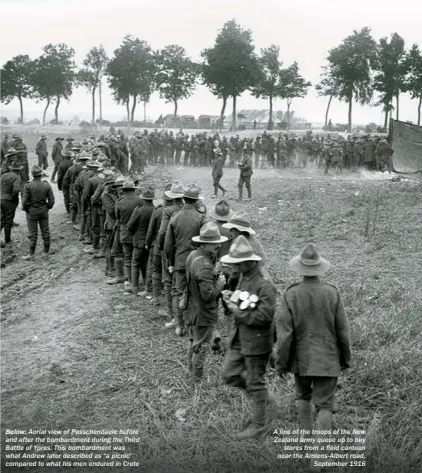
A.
x: 211, y: 236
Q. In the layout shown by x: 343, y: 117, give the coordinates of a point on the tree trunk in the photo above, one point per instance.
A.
x: 132, y: 116
x: 270, y: 119
x: 145, y: 111
x: 175, y: 109
x: 45, y: 111
x: 349, y: 124
x: 223, y: 108
x: 397, y: 106
x: 101, y: 101
x: 289, y: 102
x: 21, y: 107
x: 93, y: 106
x: 56, y: 110
x: 386, y: 119
x: 328, y: 110
x: 234, y: 114
x: 419, y: 110
x: 128, y: 109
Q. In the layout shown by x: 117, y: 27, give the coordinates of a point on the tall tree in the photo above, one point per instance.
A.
x: 414, y: 80
x: 292, y: 86
x: 391, y: 67
x: 131, y: 73
x: 177, y: 74
x: 15, y: 80
x: 91, y: 75
x: 328, y: 87
x: 351, y: 63
x: 268, y: 83
x: 54, y: 75
x: 230, y: 67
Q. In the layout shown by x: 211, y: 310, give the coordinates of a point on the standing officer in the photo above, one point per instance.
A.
x: 57, y: 155
x: 38, y: 199
x: 245, y: 176
x: 42, y: 153
x: 11, y: 186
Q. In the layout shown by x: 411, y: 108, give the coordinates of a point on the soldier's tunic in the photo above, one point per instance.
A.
x: 42, y: 153
x: 63, y: 185
x: 10, y: 187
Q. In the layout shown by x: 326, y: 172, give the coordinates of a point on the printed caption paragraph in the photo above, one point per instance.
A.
x: 337, y: 447
x: 69, y: 448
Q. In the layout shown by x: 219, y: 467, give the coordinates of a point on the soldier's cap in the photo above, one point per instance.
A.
x: 149, y: 193
x: 69, y: 138
x: 240, y: 222
x: 36, y: 171
x: 59, y: 138
x: 240, y: 250
x: 222, y: 212
x: 102, y: 144
x: 17, y: 138
x: 84, y: 157
x: 129, y: 185
x: 119, y: 182
x: 110, y: 181
x: 43, y: 137
x: 176, y: 192
x: 15, y: 167
x: 309, y: 262
x: 209, y: 233
x: 93, y: 165
x: 11, y: 152
x: 167, y: 188
x: 108, y: 173
x: 193, y: 192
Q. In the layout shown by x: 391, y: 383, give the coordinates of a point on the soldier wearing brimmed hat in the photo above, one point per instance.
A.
x: 246, y: 172
x: 201, y: 296
x: 57, y: 156
x: 217, y: 172
x: 138, y: 226
x: 176, y: 194
x: 62, y: 185
x: 92, y: 211
x: 10, y: 187
x: 251, y: 341
x: 151, y: 244
x: 313, y: 340
x: 37, y: 201
x: 42, y: 152
x: 69, y: 143
x: 5, y: 145
x: 124, y: 209
x: 69, y: 181
x: 178, y: 244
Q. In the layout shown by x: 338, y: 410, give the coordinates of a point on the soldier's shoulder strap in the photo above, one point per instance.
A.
x: 292, y: 285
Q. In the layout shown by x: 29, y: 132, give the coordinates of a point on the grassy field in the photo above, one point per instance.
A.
x: 77, y: 353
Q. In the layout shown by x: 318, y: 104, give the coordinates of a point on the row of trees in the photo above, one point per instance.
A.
x: 360, y: 67
x: 354, y: 71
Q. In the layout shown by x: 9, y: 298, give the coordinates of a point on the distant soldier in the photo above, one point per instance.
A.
x: 384, y: 155
x: 246, y: 172
x: 63, y: 185
x: 10, y: 187
x: 5, y: 145
x: 42, y: 153
x: 358, y: 155
x: 22, y: 157
x: 217, y: 173
x: 93, y: 221
x: 57, y: 156
x: 37, y: 201
x: 69, y: 143
x: 257, y: 150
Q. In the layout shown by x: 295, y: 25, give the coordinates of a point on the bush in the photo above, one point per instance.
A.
x: 4, y: 121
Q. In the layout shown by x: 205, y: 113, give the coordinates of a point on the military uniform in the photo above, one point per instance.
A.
x: 62, y: 184
x: 11, y: 186
x: 42, y: 153
x: 245, y: 176
x: 57, y: 156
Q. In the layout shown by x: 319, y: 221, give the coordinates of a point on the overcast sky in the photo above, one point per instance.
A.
x: 304, y: 29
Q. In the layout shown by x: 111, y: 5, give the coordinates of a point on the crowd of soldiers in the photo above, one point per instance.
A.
x: 187, y: 262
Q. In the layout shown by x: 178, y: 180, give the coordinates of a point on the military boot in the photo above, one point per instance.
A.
x: 304, y: 409
x: 120, y: 278
x: 101, y: 253
x: 259, y: 419
x: 135, y: 280
x: 323, y: 423
x: 240, y: 194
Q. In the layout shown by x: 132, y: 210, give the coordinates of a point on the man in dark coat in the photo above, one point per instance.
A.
x: 245, y: 176
x: 57, y: 156
x: 42, y: 153
x: 217, y: 172
x: 251, y: 340
x: 178, y: 244
x: 312, y: 340
x: 37, y: 201
x: 203, y: 290
x: 10, y: 187
x: 92, y: 211
x: 138, y: 226
x: 63, y: 185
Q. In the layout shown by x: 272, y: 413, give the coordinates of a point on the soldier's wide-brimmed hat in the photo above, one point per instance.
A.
x: 129, y: 185
x: 176, y: 192
x: 59, y: 138
x: 43, y: 137
x: 93, y: 165
x: 108, y: 172
x: 118, y: 182
x: 193, y: 192
x: 110, y: 181
x: 102, y: 144
x: 69, y: 138
x: 15, y: 167
x: 240, y: 250
x: 84, y: 157
x: 149, y: 193
x: 167, y: 188
x: 209, y: 233
x: 17, y: 138
x: 36, y: 171
x: 68, y: 154
x: 11, y: 152
x: 309, y: 262
x: 222, y: 212
x: 241, y: 223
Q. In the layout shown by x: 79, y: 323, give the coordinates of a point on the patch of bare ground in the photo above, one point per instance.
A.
x: 77, y: 353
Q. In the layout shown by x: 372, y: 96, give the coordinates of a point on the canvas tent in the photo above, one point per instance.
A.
x: 407, y: 144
